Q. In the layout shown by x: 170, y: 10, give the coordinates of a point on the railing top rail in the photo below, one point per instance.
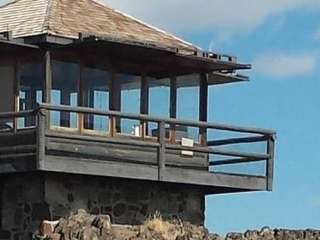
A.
x: 26, y: 113
x: 144, y: 117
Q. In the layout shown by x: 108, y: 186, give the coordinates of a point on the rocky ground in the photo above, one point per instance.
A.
x: 84, y: 226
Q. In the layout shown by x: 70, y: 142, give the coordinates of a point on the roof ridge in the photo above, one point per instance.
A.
x: 145, y: 24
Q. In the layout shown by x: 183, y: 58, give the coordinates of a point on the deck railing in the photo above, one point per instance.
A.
x: 215, y: 147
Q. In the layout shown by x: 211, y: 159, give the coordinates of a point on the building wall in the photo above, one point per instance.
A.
x: 22, y: 206
x: 28, y: 199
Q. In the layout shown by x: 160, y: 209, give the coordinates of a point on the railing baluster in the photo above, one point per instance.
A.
x: 161, y: 150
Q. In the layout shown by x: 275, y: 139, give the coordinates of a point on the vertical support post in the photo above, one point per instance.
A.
x: 161, y: 150
x: 203, y: 107
x: 270, y: 162
x: 115, y: 104
x: 173, y: 107
x: 81, y: 98
x: 144, y: 104
x: 41, y: 144
x: 16, y: 92
x: 47, y: 85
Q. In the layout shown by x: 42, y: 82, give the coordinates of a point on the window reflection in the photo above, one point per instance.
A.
x: 188, y: 92
x: 64, y: 92
x: 6, y: 92
x: 159, y: 101
x: 30, y: 89
x: 96, y: 90
x: 130, y: 86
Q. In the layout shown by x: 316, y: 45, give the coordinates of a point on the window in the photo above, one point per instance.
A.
x: 30, y: 89
x: 6, y: 92
x: 64, y: 91
x: 188, y: 91
x: 159, y: 101
x: 96, y: 89
x: 130, y: 87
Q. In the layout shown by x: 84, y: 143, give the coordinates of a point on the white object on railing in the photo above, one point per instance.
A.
x: 187, y: 142
x: 136, y: 130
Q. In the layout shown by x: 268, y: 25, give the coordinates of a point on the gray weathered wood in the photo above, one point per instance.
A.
x: 238, y: 140
x: 41, y: 148
x: 18, y: 149
x: 270, y: 163
x: 203, y: 107
x: 173, y: 106
x: 145, y: 117
x: 234, y: 161
x: 257, y: 156
x: 161, y: 150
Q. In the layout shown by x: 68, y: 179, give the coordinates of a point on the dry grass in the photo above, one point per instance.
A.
x: 164, y: 229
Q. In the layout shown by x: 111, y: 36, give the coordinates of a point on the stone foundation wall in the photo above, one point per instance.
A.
x: 27, y: 199
x: 22, y: 206
x: 127, y: 202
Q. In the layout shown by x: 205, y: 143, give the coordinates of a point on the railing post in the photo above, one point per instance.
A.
x: 270, y: 162
x: 41, y: 145
x: 161, y: 150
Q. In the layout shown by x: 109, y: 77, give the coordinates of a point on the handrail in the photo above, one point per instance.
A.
x: 209, y: 147
x: 26, y: 113
x: 144, y: 117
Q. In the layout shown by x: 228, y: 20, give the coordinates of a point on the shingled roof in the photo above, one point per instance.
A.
x: 68, y: 18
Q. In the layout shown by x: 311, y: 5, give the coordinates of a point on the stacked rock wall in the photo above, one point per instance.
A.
x: 125, y: 201
x: 26, y: 199
x: 22, y: 206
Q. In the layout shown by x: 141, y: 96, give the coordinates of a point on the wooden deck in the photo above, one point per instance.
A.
x: 41, y: 148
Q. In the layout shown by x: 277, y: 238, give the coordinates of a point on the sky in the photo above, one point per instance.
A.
x: 281, y: 39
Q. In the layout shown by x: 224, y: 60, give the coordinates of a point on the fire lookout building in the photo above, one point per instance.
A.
x: 101, y: 111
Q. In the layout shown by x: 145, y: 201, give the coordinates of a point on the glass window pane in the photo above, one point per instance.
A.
x: 130, y: 86
x: 30, y: 89
x: 159, y: 101
x: 96, y: 89
x: 6, y: 92
x: 188, y: 92
x: 64, y: 92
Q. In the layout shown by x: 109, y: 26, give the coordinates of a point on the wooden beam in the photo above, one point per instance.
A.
x: 41, y: 140
x: 270, y: 163
x: 16, y: 87
x: 115, y: 103
x: 149, y: 172
x: 173, y: 107
x: 47, y: 84
x: 161, y: 150
x: 144, y: 117
x: 203, y: 107
x: 144, y: 103
x: 257, y: 156
x: 234, y: 161
x: 47, y: 78
x: 81, y: 94
x: 254, y: 139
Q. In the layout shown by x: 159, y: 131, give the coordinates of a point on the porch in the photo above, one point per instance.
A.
x: 214, y: 162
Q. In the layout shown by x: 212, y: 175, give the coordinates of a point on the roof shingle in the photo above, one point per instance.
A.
x: 68, y: 18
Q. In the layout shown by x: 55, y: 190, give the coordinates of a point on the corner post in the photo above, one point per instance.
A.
x: 161, y: 150
x: 144, y: 104
x: 203, y: 107
x: 47, y: 86
x: 41, y: 145
x: 173, y: 106
x: 270, y: 163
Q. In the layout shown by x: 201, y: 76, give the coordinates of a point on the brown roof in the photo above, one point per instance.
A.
x: 68, y: 18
